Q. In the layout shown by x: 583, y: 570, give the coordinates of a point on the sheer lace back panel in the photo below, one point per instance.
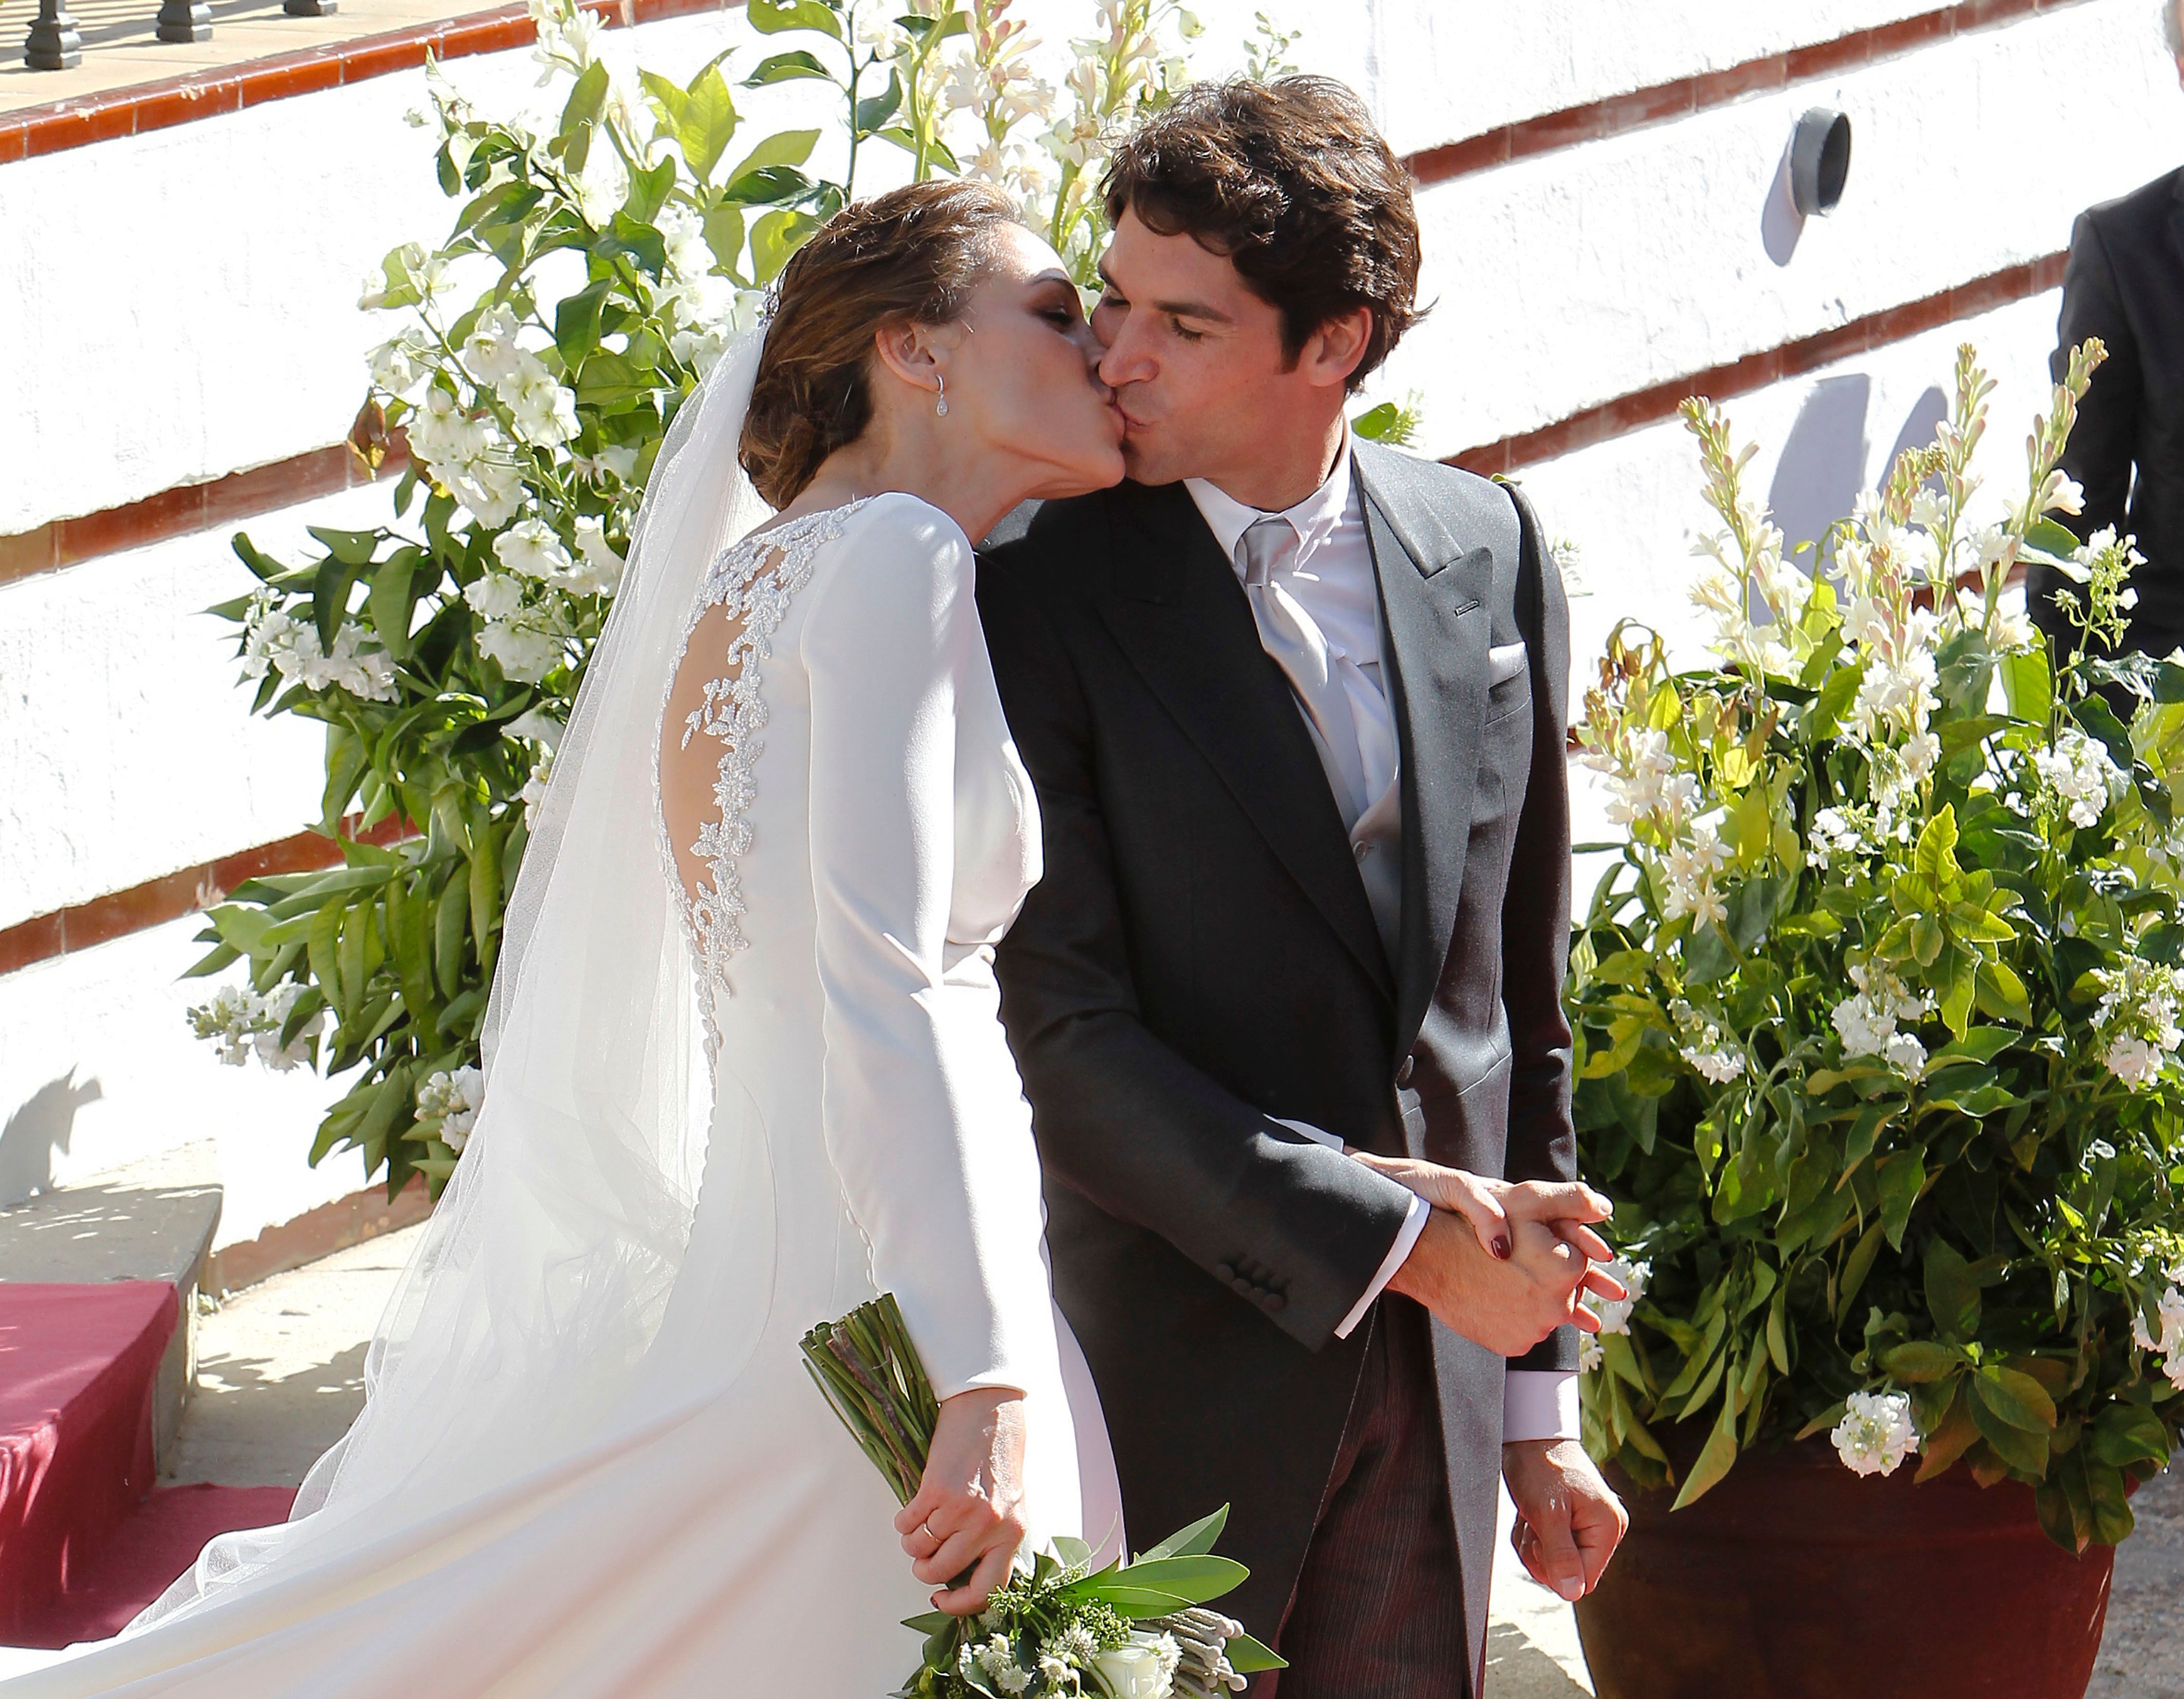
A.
x: 711, y: 731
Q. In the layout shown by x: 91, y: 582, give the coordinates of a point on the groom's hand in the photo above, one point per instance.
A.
x: 1569, y: 1520
x: 1509, y: 1307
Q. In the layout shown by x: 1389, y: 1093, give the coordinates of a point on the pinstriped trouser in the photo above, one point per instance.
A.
x: 1378, y: 1612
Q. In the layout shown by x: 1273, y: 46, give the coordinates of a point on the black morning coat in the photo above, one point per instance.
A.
x: 2124, y: 284
x: 1200, y: 957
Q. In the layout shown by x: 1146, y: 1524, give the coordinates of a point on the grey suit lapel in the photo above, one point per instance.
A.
x: 1433, y: 587
x: 1179, y: 615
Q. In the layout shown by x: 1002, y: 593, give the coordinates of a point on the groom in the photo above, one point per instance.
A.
x: 1295, y: 706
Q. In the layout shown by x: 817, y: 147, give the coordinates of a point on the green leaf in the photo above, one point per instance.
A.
x: 1999, y: 992
x: 774, y: 237
x: 1374, y: 423
x: 2014, y: 1397
x: 649, y: 190
x: 1196, y: 1577
x: 771, y: 17
x: 786, y: 68
x: 708, y: 122
x: 581, y: 110
x: 1900, y: 1177
x: 1918, y: 1362
x: 2125, y: 1433
x: 2028, y: 684
x: 1935, y: 860
x: 874, y: 112
x: 1246, y: 1655
x: 1714, y: 1459
x: 782, y: 148
x: 1192, y: 1541
x: 1856, y: 1267
x: 1953, y: 1295
x: 394, y: 598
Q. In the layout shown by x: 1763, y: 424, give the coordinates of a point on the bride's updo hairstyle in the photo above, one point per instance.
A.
x: 913, y: 254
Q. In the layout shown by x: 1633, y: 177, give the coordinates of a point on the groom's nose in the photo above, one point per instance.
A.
x: 1128, y: 358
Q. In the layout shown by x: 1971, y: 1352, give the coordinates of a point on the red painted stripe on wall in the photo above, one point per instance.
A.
x: 1651, y: 405
x: 1664, y: 102
x: 158, y: 901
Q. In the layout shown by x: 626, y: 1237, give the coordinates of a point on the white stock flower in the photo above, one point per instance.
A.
x: 2168, y: 1313
x: 1876, y: 1433
x: 602, y: 186
x: 453, y: 1099
x: 494, y: 595
x: 1906, y: 1053
x: 530, y: 549
x: 2062, y: 494
x: 1835, y: 833
x: 1867, y: 1022
x: 539, y: 726
x: 527, y: 647
x: 2081, y: 776
x: 227, y: 1022
x: 396, y: 367
x: 600, y: 572
x: 683, y: 233
x: 1929, y: 509
x: 489, y: 352
x: 1590, y: 1356
x: 874, y: 30
x: 2142, y: 1017
x: 544, y: 409
x: 279, y: 1004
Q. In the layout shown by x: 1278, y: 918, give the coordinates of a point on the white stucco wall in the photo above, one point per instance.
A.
x: 98, y: 1069
x: 181, y: 305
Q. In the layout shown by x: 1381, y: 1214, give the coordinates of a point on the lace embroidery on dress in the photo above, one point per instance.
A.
x: 755, y: 579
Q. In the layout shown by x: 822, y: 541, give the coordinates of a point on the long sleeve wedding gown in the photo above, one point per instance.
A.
x: 848, y: 833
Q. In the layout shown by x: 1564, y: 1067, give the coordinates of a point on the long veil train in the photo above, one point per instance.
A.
x: 518, y: 1330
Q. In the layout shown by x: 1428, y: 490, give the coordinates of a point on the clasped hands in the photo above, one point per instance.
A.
x: 1503, y: 1263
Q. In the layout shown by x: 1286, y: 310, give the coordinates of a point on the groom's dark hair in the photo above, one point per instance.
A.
x: 1292, y: 183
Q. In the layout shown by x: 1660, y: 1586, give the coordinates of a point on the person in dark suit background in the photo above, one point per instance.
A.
x: 2124, y: 284
x: 1295, y: 706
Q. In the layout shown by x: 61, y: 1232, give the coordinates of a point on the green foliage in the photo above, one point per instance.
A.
x: 1877, y: 1010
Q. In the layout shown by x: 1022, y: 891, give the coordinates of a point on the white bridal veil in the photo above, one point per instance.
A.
x: 518, y: 1332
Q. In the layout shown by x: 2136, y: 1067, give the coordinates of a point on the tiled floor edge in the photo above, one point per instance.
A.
x: 32, y: 133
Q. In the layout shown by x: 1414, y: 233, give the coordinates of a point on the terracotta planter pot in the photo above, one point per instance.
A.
x: 1795, y: 1579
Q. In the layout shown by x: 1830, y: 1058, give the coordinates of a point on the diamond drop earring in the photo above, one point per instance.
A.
x: 940, y: 407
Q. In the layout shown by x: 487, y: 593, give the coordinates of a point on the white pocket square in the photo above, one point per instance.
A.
x: 1504, y: 661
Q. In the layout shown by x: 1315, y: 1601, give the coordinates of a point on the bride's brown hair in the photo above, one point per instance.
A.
x: 913, y: 254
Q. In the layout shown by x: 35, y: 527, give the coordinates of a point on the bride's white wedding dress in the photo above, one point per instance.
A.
x: 593, y: 1464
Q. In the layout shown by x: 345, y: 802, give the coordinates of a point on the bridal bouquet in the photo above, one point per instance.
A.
x: 1137, y: 1630
x: 1878, y: 1006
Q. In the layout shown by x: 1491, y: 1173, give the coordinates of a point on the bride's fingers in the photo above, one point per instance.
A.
x: 971, y: 1598
x: 915, y: 1514
x: 965, y: 1533
x: 1602, y: 1283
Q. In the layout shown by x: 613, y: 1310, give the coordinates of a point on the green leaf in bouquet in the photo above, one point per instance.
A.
x: 1194, y: 1578
x: 1192, y: 1541
x: 2028, y: 684
x: 706, y: 122
x: 581, y: 108
x: 2099, y: 722
x: 774, y: 237
x: 1247, y: 1656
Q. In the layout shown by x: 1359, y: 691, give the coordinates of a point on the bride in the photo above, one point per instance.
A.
x: 744, y: 1071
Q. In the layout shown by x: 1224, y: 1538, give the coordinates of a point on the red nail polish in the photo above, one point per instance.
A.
x: 1501, y: 1247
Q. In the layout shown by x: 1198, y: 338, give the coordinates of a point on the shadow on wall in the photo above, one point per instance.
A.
x: 1823, y: 461
x: 1781, y: 223
x: 40, y: 1129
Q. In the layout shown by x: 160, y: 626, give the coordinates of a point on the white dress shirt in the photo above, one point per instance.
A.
x: 1331, y: 580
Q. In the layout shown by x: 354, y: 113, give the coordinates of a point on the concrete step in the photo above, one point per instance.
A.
x: 152, y: 1221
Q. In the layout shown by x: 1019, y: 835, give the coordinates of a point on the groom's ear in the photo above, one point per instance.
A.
x: 1334, y: 351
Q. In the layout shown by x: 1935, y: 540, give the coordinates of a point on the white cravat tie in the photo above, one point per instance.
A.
x: 1288, y: 634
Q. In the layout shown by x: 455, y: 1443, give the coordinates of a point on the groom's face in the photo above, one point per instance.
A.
x: 1196, y: 359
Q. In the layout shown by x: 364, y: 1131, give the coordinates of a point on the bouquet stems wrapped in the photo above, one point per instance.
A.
x: 1137, y: 1630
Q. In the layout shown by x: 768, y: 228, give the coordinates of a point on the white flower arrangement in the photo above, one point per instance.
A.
x: 448, y: 1103
x: 1878, y: 1015
x: 1876, y: 1433
x: 240, y: 1023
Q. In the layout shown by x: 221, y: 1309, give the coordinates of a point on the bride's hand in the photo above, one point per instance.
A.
x: 968, y: 1518
x: 1566, y: 1208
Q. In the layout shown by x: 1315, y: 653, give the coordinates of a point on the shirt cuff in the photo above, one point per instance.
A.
x: 1539, y: 1404
x: 1406, y: 1237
